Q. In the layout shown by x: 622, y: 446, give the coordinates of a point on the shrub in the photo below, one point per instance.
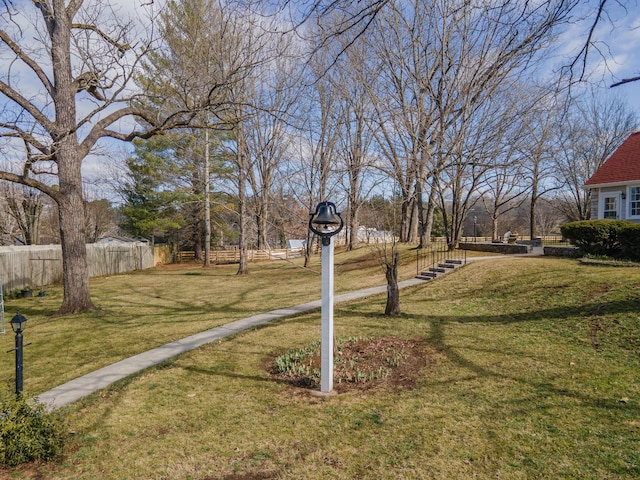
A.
x: 28, y: 432
x: 596, y: 237
x: 630, y: 241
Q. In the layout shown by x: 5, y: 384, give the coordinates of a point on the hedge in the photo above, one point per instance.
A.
x: 613, y: 238
x: 630, y: 241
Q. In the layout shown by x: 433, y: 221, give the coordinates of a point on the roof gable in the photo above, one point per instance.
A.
x: 623, y: 166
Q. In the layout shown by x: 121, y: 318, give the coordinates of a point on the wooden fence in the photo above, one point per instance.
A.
x: 39, y: 265
x: 233, y: 256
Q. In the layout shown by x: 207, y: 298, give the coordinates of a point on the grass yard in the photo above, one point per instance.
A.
x: 530, y: 371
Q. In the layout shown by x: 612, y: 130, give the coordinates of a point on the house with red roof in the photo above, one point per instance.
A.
x: 615, y: 186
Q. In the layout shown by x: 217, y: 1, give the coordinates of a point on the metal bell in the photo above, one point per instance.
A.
x: 326, y: 215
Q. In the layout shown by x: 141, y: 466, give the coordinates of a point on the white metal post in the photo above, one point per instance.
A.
x: 326, y: 346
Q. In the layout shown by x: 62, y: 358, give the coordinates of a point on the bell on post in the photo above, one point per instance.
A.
x: 326, y: 216
x: 325, y: 221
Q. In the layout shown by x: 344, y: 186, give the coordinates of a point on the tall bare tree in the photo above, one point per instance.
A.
x: 67, y: 75
x: 352, y: 77
x: 443, y: 62
x: 273, y: 105
x: 314, y: 152
x: 593, y: 129
x: 539, y: 113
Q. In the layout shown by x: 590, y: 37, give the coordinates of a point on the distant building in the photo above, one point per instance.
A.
x: 115, y: 240
x: 296, y: 243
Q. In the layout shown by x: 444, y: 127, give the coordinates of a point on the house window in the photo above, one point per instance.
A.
x: 610, y: 207
x: 634, y: 202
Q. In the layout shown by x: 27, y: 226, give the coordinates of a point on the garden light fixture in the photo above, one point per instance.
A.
x: 17, y: 323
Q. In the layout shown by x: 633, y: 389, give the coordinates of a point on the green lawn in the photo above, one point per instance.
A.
x: 533, y: 373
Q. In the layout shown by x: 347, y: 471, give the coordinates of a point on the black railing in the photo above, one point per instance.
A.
x: 545, y: 239
x: 438, y: 256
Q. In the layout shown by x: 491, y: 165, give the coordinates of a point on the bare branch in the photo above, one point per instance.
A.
x: 27, y: 137
x: 582, y: 55
x: 27, y: 60
x: 47, y: 14
x: 122, y: 47
x: 624, y: 81
x: 73, y: 7
x: 30, y: 182
x: 28, y: 106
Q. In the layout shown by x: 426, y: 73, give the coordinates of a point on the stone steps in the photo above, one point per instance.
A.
x: 441, y: 269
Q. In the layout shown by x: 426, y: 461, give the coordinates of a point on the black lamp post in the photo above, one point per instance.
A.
x: 326, y: 222
x: 475, y: 220
x: 17, y: 326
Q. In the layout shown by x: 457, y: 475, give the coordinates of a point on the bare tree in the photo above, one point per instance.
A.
x: 314, y: 152
x: 503, y: 191
x: 464, y: 164
x: 84, y: 66
x: 24, y: 206
x: 593, y: 129
x: 539, y: 114
x: 100, y: 220
x: 269, y: 135
x: 352, y: 77
x: 444, y: 61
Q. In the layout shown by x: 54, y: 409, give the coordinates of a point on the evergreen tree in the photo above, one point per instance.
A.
x: 151, y: 202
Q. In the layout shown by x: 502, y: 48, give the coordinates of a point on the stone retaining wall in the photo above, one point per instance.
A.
x: 555, y: 251
x: 504, y: 248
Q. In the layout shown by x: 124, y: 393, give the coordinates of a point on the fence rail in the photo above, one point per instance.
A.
x: 233, y: 256
x: 546, y: 239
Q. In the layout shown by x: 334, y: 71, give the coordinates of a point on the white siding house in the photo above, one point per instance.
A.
x: 615, y: 186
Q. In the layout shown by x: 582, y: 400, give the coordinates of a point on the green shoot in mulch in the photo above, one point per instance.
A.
x: 356, y: 360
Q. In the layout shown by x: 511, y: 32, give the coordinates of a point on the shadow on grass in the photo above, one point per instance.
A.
x: 436, y: 335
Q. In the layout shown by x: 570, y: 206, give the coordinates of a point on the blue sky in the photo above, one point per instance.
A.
x: 615, y: 54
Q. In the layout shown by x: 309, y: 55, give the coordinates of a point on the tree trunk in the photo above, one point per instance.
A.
x: 197, y: 236
x: 243, y: 267
x: 494, y: 229
x: 262, y: 223
x: 404, y: 220
x: 207, y: 201
x: 393, y: 291
x: 534, y: 202
x: 414, y: 223
x: 532, y: 217
x: 425, y: 239
x: 76, y: 297
x: 308, y: 247
x: 354, y: 225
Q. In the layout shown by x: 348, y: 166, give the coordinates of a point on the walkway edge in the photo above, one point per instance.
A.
x: 102, y: 378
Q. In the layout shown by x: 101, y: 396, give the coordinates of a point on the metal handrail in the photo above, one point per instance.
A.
x: 437, y: 253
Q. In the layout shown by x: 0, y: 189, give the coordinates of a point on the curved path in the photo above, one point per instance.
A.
x: 87, y: 384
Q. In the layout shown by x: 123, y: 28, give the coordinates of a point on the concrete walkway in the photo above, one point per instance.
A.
x: 87, y: 384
